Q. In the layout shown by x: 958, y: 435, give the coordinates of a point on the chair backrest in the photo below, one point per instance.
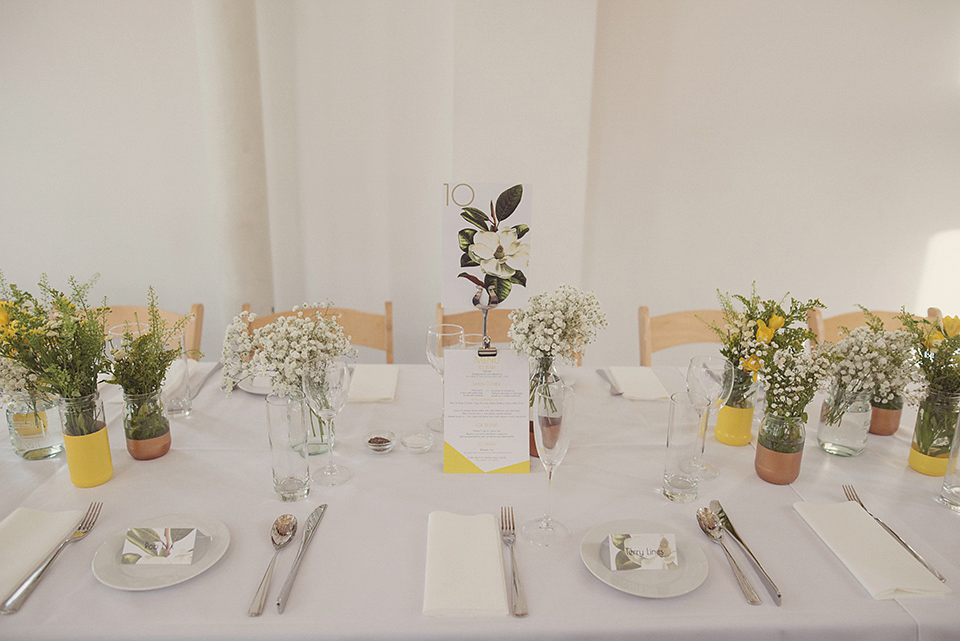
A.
x: 192, y: 331
x: 677, y: 328
x: 828, y: 329
x: 365, y: 329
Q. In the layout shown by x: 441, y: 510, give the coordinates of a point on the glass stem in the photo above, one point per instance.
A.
x: 547, y: 522
x: 443, y: 400
x: 331, y: 467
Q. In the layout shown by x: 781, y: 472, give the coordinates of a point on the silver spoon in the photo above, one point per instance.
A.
x: 280, y: 534
x: 710, y: 524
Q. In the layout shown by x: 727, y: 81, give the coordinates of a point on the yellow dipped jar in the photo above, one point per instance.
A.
x: 734, y: 425
x: 88, y: 458
x: 929, y: 465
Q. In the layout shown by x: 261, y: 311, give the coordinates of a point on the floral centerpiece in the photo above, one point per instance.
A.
x: 936, y: 346
x: 31, y: 414
x: 60, y: 340
x: 749, y: 339
x: 140, y: 365
x: 555, y: 325
x: 280, y: 350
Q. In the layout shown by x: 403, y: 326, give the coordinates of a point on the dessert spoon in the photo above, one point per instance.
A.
x: 282, y: 532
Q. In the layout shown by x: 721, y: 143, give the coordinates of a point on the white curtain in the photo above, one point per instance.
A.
x: 668, y: 148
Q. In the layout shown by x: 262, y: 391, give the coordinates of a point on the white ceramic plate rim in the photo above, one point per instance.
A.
x: 255, y: 385
x: 653, y: 584
x: 108, y: 570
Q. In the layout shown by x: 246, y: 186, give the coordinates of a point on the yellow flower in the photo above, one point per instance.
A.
x: 951, y: 325
x: 765, y: 332
x: 934, y: 338
x: 4, y: 314
x: 752, y: 364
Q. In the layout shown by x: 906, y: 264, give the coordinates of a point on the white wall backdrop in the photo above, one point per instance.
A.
x: 669, y: 149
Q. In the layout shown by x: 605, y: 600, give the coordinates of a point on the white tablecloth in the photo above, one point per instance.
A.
x: 362, y: 577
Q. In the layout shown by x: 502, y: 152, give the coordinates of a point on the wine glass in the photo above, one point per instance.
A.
x: 439, y: 338
x: 326, y: 385
x: 712, y: 378
x: 552, y: 425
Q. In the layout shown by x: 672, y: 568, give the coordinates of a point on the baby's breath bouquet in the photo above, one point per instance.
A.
x: 555, y: 325
x: 281, y: 349
x: 936, y: 346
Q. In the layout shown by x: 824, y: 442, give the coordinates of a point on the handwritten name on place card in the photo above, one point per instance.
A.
x: 640, y: 551
x: 159, y: 546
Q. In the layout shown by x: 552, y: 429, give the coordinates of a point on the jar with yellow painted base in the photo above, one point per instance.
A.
x: 735, y: 418
x: 34, y: 425
x: 85, y: 440
x: 936, y: 423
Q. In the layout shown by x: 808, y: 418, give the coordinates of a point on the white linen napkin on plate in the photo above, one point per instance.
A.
x: 464, y: 573
x: 373, y: 383
x: 27, y: 536
x: 882, y: 566
x: 639, y: 383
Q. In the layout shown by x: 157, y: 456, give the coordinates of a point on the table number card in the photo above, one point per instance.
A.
x: 486, y: 412
x: 486, y: 244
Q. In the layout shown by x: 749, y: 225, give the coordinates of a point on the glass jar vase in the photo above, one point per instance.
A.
x: 145, y: 425
x: 780, y: 448
x: 936, y: 423
x: 85, y: 440
x: 735, y: 418
x: 844, y: 421
x: 34, y: 425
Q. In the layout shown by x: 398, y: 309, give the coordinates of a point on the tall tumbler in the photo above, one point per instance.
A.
x: 681, y: 471
x: 288, y: 445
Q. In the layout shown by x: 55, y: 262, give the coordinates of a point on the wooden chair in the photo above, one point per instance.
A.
x: 192, y: 331
x: 365, y: 329
x: 828, y: 329
x: 677, y: 328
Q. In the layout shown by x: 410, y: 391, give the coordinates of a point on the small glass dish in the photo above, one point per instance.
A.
x: 417, y: 442
x: 380, y: 441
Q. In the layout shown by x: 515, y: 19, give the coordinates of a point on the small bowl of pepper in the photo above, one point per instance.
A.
x: 380, y: 441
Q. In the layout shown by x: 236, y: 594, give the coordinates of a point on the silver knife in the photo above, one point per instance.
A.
x: 607, y: 375
x: 312, y: 521
x: 728, y: 526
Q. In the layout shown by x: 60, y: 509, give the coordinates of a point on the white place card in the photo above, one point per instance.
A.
x: 159, y: 546
x: 657, y: 551
x: 486, y: 412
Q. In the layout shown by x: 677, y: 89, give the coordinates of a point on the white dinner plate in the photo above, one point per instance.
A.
x: 654, y: 584
x: 257, y: 385
x: 213, y: 538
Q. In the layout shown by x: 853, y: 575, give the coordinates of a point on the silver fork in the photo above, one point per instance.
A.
x: 508, y: 533
x: 16, y: 599
x: 851, y: 495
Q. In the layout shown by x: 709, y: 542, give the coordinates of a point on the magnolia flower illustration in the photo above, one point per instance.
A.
x: 493, y: 247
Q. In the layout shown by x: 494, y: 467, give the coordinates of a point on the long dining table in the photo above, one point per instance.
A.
x: 363, y: 575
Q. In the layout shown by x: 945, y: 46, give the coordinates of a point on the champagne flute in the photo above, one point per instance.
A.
x: 712, y: 378
x: 552, y: 425
x: 439, y: 338
x: 326, y: 385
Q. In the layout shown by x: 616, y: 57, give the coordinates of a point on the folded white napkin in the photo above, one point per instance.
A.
x: 373, y: 383
x: 639, y: 383
x: 882, y: 565
x: 27, y: 536
x: 464, y: 574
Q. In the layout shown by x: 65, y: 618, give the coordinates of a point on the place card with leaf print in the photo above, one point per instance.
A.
x: 640, y: 551
x: 159, y: 546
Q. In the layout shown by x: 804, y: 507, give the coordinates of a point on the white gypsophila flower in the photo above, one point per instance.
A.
x: 558, y: 324
x: 14, y: 377
x: 281, y: 348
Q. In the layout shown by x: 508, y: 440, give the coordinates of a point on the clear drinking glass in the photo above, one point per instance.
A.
x: 552, y: 425
x: 680, y: 477
x: 439, y: 338
x: 288, y: 445
x: 712, y: 378
x: 326, y: 385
